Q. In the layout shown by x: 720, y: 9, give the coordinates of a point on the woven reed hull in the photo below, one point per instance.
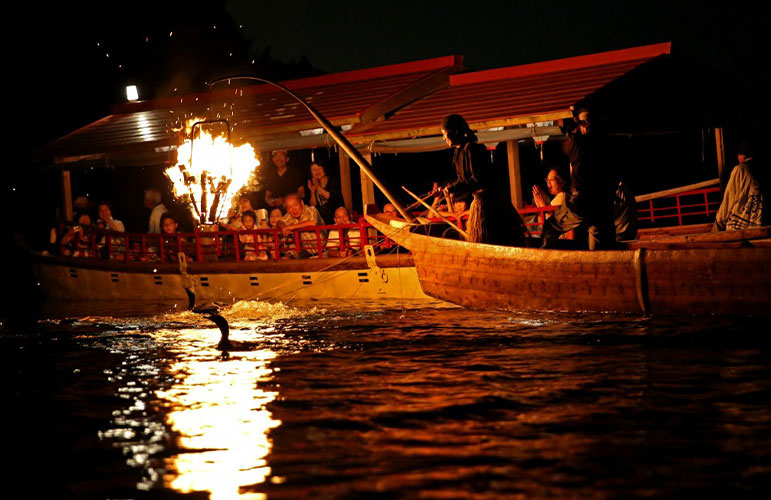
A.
x: 643, y: 281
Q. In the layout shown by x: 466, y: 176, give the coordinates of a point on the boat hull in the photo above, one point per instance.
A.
x: 642, y: 281
x: 385, y: 277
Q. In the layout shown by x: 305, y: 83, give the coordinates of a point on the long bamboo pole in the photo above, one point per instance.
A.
x: 461, y: 231
x: 339, y: 138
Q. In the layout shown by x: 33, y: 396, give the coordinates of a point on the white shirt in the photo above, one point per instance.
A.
x: 155, y: 218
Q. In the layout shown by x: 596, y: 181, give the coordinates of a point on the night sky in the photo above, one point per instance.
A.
x: 72, y: 63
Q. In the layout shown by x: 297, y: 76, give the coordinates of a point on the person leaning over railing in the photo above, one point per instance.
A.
x: 299, y: 216
x: 343, y: 242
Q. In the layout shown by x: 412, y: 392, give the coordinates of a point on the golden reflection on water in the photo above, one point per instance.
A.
x: 217, y: 411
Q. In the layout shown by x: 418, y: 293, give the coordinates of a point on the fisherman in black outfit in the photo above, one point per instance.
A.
x: 492, y: 217
x: 589, y: 204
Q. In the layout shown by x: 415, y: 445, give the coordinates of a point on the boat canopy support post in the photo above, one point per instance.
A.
x: 515, y: 178
x: 345, y: 179
x: 67, y: 193
x: 339, y: 138
x: 367, y: 188
x: 720, y: 146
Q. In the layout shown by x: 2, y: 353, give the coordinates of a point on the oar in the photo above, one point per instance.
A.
x: 461, y: 231
x: 417, y: 203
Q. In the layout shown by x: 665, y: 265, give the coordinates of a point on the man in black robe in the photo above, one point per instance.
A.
x: 492, y: 217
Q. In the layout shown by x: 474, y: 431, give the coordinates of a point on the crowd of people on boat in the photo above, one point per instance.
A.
x: 294, y: 208
x: 589, y: 204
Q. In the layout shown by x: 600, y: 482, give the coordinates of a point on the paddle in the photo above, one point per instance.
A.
x: 432, y: 209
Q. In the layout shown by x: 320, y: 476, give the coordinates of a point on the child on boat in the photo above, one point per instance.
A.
x: 251, y: 242
x: 172, y: 242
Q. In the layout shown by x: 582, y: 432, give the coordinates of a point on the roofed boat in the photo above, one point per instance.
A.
x: 147, y: 267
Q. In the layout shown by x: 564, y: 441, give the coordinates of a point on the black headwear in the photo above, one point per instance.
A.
x: 456, y: 126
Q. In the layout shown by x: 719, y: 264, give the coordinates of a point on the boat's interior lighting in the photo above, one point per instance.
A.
x: 313, y: 131
x: 132, y: 94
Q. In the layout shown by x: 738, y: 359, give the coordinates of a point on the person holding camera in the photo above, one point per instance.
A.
x: 589, y: 203
x: 77, y: 241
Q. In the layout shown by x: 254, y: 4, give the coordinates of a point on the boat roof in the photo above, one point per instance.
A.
x: 510, y: 97
x: 382, y: 105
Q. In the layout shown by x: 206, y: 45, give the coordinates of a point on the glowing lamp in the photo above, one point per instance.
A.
x: 131, y: 93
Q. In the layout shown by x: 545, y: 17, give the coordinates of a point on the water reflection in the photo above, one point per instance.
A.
x: 195, y: 419
x: 218, y: 413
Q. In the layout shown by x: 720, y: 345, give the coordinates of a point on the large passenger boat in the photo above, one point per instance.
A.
x: 147, y: 267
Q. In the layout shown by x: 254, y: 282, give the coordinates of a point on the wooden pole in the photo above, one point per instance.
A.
x: 432, y: 209
x: 345, y: 179
x: 367, y: 188
x: 720, y: 146
x: 515, y: 180
x: 67, y: 194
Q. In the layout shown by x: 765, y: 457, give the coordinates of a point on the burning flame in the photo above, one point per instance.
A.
x: 210, y: 170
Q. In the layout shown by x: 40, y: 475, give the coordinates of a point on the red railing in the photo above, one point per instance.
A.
x: 206, y: 246
x: 702, y: 203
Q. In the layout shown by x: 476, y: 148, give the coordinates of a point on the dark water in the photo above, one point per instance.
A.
x: 325, y: 401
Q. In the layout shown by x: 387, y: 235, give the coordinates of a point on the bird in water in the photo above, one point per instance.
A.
x: 211, y: 312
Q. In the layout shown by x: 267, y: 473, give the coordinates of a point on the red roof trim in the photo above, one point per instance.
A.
x: 376, y: 72
x: 425, y: 65
x: 570, y: 63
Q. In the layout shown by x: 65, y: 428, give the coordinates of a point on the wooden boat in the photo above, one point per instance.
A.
x: 370, y: 275
x: 719, y: 273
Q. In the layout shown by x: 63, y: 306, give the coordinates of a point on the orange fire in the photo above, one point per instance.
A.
x: 210, y: 170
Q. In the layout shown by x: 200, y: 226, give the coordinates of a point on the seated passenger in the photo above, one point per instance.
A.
x: 459, y: 209
x: 250, y: 241
x: 344, y: 242
x: 324, y: 192
x: 77, y: 241
x: 236, y: 213
x: 172, y: 243
x: 152, y: 201
x: 105, y: 221
x: 298, y: 216
x: 746, y: 195
x: 273, y: 220
x: 390, y: 210
x: 556, y: 186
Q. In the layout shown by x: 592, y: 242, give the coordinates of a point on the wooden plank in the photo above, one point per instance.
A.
x: 421, y: 88
x: 677, y: 190
x: 717, y: 237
